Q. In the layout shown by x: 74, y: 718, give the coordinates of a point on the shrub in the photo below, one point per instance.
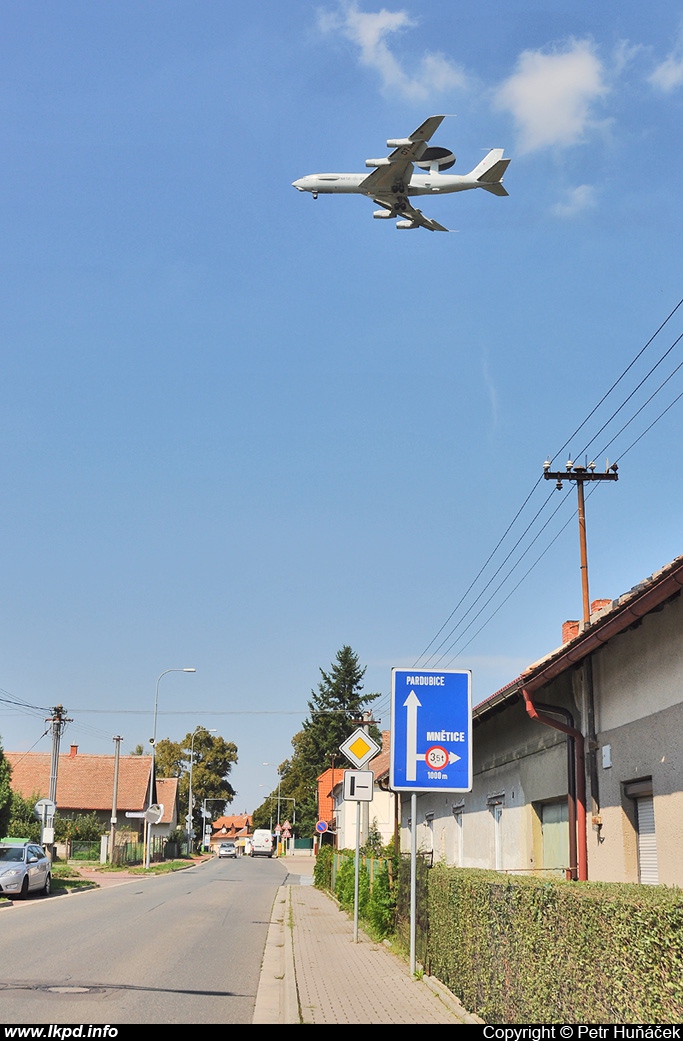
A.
x: 322, y: 871
x: 518, y: 949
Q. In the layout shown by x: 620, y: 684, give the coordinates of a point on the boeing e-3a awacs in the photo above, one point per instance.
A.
x: 393, y: 179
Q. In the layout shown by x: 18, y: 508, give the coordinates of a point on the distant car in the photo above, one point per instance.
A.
x: 227, y: 849
x: 24, y: 867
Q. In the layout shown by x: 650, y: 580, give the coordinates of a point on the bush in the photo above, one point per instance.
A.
x: 322, y: 872
x: 381, y: 908
x: 518, y: 949
x: 346, y: 882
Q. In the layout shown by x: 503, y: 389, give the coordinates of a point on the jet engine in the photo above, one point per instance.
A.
x: 378, y: 162
x: 382, y: 214
x: 405, y: 224
x: 436, y: 158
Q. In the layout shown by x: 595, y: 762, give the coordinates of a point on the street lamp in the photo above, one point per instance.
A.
x: 190, y: 825
x: 153, y: 742
x: 279, y: 782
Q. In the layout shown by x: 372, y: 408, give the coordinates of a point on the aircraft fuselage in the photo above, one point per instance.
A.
x: 352, y: 184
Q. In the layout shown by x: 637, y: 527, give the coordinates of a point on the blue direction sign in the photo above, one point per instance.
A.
x: 431, y: 733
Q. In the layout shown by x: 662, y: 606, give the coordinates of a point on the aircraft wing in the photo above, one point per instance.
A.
x: 409, y: 213
x: 398, y: 166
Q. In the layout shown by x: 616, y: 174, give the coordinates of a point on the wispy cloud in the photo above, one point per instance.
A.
x: 669, y: 74
x: 577, y: 200
x: 552, y: 96
x: 371, y: 32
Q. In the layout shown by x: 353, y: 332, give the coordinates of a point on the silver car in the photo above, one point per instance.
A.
x: 24, y: 867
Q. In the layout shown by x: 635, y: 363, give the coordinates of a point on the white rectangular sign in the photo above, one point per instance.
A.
x: 358, y: 785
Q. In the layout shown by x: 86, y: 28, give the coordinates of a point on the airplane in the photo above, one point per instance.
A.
x: 393, y: 179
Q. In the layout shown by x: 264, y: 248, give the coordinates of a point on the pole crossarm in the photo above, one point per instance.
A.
x: 581, y: 474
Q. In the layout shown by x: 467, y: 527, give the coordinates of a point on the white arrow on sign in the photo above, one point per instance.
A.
x: 412, y: 703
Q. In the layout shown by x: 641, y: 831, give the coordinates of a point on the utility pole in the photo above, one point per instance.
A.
x: 57, y: 721
x: 112, y: 834
x: 581, y: 474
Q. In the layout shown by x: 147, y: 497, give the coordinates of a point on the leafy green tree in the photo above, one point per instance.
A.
x: 5, y: 792
x: 336, y: 707
x: 82, y: 827
x: 23, y: 824
x: 213, y: 760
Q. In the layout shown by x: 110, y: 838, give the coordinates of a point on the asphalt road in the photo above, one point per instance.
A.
x: 179, y: 948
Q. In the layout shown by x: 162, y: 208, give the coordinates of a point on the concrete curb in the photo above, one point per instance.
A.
x: 277, y: 1000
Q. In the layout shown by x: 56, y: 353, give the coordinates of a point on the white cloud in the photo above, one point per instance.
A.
x: 577, y: 201
x: 551, y: 96
x: 370, y: 32
x: 669, y: 74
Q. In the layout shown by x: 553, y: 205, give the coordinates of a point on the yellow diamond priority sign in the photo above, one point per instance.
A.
x: 359, y: 748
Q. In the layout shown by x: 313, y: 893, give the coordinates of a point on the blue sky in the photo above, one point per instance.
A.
x: 241, y: 428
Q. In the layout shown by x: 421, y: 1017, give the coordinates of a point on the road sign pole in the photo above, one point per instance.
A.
x: 355, y: 881
x: 413, y: 878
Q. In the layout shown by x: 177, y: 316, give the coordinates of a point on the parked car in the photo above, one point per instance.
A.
x: 227, y: 849
x: 24, y: 866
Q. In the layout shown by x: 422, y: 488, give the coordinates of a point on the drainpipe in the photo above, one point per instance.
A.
x: 580, y: 778
x: 571, y: 783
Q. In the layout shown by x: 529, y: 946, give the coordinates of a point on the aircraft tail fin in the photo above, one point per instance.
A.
x: 489, y: 172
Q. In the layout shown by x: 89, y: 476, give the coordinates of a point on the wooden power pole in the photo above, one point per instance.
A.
x: 581, y: 474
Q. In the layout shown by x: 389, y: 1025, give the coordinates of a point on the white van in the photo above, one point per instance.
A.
x: 261, y: 843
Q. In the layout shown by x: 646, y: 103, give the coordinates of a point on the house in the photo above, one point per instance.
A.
x: 577, y: 763
x: 235, y: 828
x: 380, y: 813
x: 166, y: 796
x: 85, y: 784
x: 326, y: 783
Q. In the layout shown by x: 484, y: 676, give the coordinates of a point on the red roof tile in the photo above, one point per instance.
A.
x: 167, y: 793
x: 84, y: 782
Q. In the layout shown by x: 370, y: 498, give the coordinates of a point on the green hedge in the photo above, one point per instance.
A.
x: 517, y: 949
x: 376, y: 887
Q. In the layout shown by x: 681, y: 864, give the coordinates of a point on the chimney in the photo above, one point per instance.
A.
x: 599, y: 605
x: 569, y: 630
x: 73, y: 751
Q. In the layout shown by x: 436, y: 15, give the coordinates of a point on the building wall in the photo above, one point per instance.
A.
x: 381, y: 810
x: 647, y: 747
x: 517, y: 765
x: 640, y: 672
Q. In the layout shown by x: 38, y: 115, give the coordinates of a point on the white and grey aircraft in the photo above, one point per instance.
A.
x: 393, y: 180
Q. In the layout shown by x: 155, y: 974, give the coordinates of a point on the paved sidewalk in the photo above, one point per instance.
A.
x: 313, y: 972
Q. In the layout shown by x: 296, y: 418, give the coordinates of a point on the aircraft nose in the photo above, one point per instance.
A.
x: 298, y: 185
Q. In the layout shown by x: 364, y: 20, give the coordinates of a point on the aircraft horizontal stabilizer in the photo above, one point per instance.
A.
x: 495, y: 189
x: 495, y: 172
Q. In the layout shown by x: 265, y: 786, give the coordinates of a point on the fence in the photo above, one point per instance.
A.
x: 84, y: 850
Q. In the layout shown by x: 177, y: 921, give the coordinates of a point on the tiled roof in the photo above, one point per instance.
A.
x: 380, y: 764
x: 236, y: 824
x: 84, y: 782
x: 167, y: 793
x: 613, y: 618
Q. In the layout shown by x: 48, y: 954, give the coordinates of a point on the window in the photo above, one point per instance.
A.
x: 495, y: 804
x: 458, y: 852
x: 641, y: 793
x: 555, y: 831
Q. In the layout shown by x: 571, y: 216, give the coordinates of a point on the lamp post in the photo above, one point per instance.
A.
x: 153, y: 742
x: 279, y: 782
x: 190, y: 825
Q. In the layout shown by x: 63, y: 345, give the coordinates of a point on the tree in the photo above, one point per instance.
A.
x: 213, y: 761
x: 5, y: 793
x: 23, y: 823
x: 336, y: 707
